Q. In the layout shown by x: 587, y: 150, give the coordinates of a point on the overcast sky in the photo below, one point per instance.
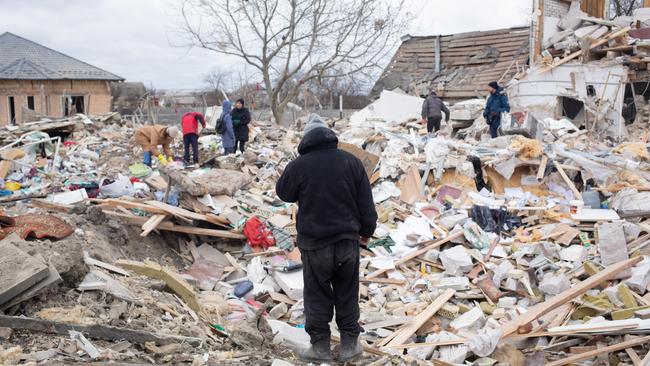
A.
x: 131, y: 38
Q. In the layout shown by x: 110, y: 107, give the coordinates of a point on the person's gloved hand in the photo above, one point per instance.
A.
x: 161, y: 159
x: 170, y: 159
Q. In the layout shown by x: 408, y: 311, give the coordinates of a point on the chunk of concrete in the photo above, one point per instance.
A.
x: 456, y: 283
x: 292, y: 337
x: 5, y: 333
x: 52, y: 279
x: 554, y: 284
x: 96, y: 280
x: 279, y: 310
x: 456, y: 260
x: 452, y: 354
x: 612, y: 245
x: 425, y: 352
x: 640, y: 277
x: 26, y: 271
x: 574, y: 253
x: 473, y: 319
x: 291, y: 283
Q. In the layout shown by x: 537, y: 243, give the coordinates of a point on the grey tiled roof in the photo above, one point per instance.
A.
x: 21, y: 58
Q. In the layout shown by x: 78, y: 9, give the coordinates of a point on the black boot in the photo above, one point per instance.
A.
x: 318, y: 352
x: 350, y: 348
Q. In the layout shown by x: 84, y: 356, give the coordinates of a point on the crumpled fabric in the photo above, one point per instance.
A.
x: 485, y: 342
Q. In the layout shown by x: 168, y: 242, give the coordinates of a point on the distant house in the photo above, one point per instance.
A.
x: 35, y: 79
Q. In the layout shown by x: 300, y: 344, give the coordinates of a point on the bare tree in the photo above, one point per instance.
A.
x: 292, y: 42
x: 624, y: 7
x: 218, y: 79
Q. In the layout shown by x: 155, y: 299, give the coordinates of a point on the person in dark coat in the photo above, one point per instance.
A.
x: 336, y: 214
x: 497, y: 103
x: 432, y: 109
x: 241, y: 117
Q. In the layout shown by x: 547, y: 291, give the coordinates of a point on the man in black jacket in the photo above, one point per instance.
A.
x: 432, y: 109
x: 241, y: 117
x: 336, y: 213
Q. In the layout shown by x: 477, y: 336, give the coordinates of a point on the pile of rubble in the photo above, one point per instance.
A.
x: 504, y: 251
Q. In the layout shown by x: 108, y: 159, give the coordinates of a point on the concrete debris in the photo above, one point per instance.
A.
x: 537, y: 234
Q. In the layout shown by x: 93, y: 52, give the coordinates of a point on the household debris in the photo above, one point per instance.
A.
x: 528, y: 248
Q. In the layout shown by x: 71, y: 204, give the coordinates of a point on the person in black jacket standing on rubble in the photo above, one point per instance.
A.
x: 497, y: 103
x: 336, y: 213
x: 432, y: 109
x: 241, y: 117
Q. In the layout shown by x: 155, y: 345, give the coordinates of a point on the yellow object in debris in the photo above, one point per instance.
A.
x: 633, y: 149
x: 13, y: 186
x: 526, y: 148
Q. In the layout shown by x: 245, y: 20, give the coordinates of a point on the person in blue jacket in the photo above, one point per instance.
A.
x: 228, y: 137
x: 497, y: 103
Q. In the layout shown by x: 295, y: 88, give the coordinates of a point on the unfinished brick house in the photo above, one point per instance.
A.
x: 38, y: 81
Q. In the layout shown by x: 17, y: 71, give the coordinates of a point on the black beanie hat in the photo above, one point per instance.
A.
x: 494, y: 85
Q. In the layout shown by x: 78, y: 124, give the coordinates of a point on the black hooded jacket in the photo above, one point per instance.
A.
x: 240, y: 120
x: 332, y: 190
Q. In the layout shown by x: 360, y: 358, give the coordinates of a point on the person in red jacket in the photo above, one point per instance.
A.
x: 190, y: 123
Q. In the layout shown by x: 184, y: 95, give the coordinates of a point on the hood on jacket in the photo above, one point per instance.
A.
x: 318, y: 139
x: 227, y: 106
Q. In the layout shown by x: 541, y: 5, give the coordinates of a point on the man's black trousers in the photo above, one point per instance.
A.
x: 191, y: 140
x: 331, y: 278
x: 433, y: 123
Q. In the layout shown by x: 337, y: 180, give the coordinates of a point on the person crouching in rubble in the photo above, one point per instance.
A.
x: 149, y: 137
x: 228, y: 136
x: 432, y: 109
x: 190, y: 124
x: 336, y: 213
x: 497, y: 103
x: 241, y: 117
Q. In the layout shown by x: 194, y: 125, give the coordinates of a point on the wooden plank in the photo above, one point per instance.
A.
x: 276, y: 296
x: 152, y: 224
x: 388, y: 323
x: 95, y: 331
x: 573, y: 292
x: 170, y: 226
x: 576, y: 54
x: 568, y: 182
x: 52, y: 206
x: 599, y: 351
x: 176, y: 283
x: 94, y: 262
x: 542, y: 168
x: 404, y: 333
x: 636, y: 360
x: 385, y: 281
x: 176, y: 211
x: 428, y: 246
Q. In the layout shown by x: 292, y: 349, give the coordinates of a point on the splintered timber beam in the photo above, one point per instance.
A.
x: 94, y: 331
x: 170, y: 226
x: 516, y: 324
x: 600, y: 351
x: 417, y: 253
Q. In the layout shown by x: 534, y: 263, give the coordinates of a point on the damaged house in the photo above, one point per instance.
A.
x: 458, y: 65
x: 571, y: 63
x: 38, y: 81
